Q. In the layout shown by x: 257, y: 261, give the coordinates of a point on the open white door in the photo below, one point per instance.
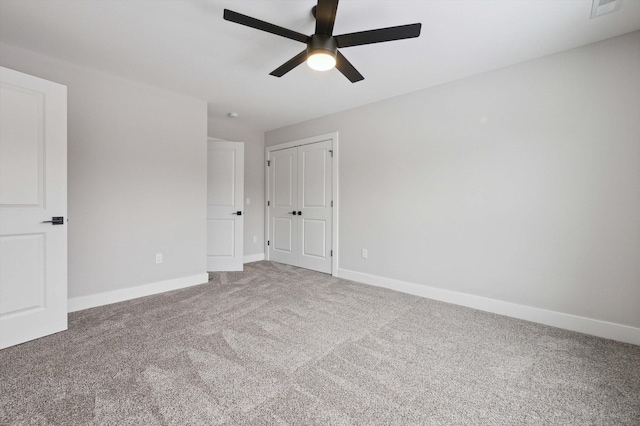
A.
x: 225, y: 220
x: 33, y: 191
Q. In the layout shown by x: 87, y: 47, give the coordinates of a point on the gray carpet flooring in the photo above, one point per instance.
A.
x: 282, y: 345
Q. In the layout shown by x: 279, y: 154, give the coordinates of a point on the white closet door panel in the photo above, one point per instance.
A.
x: 314, y: 240
x: 283, y: 243
x: 284, y: 169
x: 314, y: 224
x: 313, y: 174
x: 283, y: 240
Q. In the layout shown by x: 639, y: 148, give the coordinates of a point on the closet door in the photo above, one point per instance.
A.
x: 300, y: 206
x: 314, y: 206
x: 283, y: 199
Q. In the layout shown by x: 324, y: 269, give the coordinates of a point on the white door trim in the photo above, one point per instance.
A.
x: 334, y: 179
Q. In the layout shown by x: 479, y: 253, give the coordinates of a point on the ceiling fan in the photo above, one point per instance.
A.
x: 322, y: 47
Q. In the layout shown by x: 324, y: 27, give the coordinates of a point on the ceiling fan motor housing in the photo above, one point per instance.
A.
x: 322, y: 43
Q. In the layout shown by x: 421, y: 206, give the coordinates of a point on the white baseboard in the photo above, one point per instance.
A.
x: 106, y: 298
x: 253, y: 258
x: 608, y: 330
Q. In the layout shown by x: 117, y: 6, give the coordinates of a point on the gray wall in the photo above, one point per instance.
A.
x: 521, y: 184
x: 137, y: 177
x: 237, y: 131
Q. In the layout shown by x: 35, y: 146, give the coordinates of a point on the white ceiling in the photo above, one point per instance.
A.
x: 185, y: 46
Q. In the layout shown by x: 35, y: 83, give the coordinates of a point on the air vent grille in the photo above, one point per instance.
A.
x: 602, y: 7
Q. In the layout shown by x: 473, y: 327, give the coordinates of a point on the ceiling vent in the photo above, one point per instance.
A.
x: 602, y: 7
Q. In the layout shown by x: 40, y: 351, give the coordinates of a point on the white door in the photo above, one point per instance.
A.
x: 283, y: 206
x: 225, y: 193
x: 33, y: 190
x: 314, y: 206
x: 300, y: 210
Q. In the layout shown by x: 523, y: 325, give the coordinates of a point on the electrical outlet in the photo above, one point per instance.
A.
x: 158, y: 257
x: 364, y: 253
x: 248, y: 201
x: 255, y: 239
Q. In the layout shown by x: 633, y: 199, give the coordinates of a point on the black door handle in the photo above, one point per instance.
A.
x: 293, y: 213
x: 299, y: 213
x: 239, y: 213
x: 58, y: 220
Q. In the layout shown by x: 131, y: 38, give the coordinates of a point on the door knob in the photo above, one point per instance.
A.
x: 293, y: 213
x: 58, y: 220
x: 239, y: 213
x: 299, y: 213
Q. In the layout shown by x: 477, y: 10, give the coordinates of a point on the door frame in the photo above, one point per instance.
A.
x: 333, y: 137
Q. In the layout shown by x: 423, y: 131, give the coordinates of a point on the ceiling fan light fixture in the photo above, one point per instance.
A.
x: 321, y: 52
x: 321, y: 61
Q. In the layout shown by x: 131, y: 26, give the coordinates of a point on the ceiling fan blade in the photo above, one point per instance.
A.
x: 290, y: 64
x: 326, y: 16
x: 379, y: 35
x: 248, y: 21
x: 347, y: 69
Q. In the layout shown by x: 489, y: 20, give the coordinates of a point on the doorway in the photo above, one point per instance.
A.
x: 302, y: 188
x: 225, y: 215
